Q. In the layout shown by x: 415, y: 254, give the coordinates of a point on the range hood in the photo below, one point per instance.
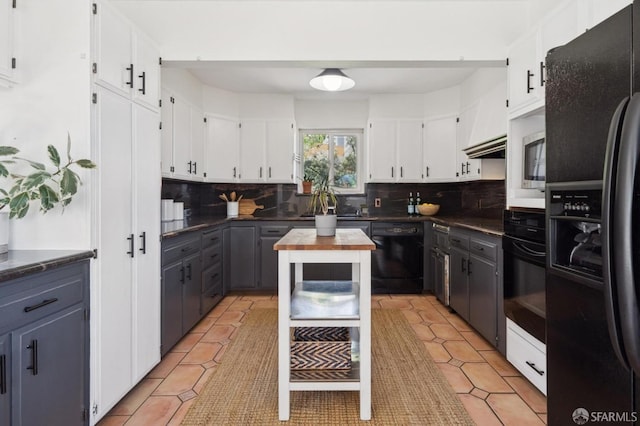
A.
x: 493, y: 148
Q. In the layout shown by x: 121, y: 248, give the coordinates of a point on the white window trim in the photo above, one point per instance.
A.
x: 359, y: 135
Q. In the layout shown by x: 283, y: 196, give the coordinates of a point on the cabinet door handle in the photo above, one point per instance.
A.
x: 234, y: 172
x: 463, y: 266
x: 529, y: 75
x: 401, y: 172
x: 260, y: 175
x: 533, y: 366
x: 468, y: 164
x: 143, y: 248
x: 195, y: 167
x: 34, y: 357
x: 427, y: 171
x: 189, y: 273
x: 143, y: 76
x: 3, y: 374
x: 40, y: 305
x: 131, y: 249
x: 190, y: 165
x: 130, y: 82
x: 542, y: 80
x: 462, y: 168
x: 269, y: 172
x: 182, y: 275
x: 391, y: 171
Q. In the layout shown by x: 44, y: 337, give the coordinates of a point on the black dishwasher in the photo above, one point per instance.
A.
x: 397, y: 263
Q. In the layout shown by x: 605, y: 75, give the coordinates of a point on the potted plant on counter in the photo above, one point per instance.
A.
x: 323, y: 194
x: 307, y: 183
x: 53, y: 185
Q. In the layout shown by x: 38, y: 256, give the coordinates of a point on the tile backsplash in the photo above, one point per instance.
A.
x: 480, y: 198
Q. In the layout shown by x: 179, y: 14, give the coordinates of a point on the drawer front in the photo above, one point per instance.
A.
x: 211, y: 277
x: 211, y: 256
x: 528, y: 359
x: 210, y: 298
x: 275, y: 231
x: 31, y: 305
x: 211, y: 238
x: 460, y: 241
x: 175, y: 249
x: 441, y: 240
x: 485, y: 249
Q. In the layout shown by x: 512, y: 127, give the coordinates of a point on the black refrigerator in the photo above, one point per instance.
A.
x: 592, y: 119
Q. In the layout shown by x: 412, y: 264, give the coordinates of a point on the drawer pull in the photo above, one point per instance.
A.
x: 187, y: 248
x: 40, y: 305
x: 34, y: 357
x: 455, y: 240
x: 533, y: 366
x: 3, y: 374
x: 479, y: 248
x: 214, y: 276
x: 213, y: 256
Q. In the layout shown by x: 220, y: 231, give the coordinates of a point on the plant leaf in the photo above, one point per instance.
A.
x: 53, y: 155
x: 8, y: 150
x: 69, y: 183
x: 3, y: 171
x: 33, y: 164
x: 86, y: 164
x: 48, y: 197
x: 69, y: 146
x: 19, y: 206
x: 35, y: 179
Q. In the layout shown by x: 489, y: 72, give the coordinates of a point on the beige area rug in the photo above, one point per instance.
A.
x: 407, y: 386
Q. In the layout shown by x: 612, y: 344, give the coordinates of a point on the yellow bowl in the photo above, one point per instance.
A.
x: 428, y: 209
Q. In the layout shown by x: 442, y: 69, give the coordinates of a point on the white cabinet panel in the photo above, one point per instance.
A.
x: 409, y: 150
x: 279, y: 151
x: 523, y: 72
x: 222, y: 149
x: 181, y: 139
x: 439, y: 152
x: 146, y: 72
x: 197, y: 143
x: 167, y: 134
x: 7, y: 42
x: 382, y: 151
x: 252, y: 151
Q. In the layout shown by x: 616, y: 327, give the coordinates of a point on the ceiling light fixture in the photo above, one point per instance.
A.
x: 332, y: 80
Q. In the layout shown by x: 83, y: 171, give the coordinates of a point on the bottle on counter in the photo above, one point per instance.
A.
x: 411, y: 207
x: 418, y: 202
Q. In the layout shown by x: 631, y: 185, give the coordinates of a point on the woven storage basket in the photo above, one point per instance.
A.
x: 321, y: 334
x: 320, y: 355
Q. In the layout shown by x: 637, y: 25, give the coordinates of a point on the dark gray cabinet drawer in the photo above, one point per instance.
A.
x: 211, y: 277
x: 212, y: 256
x: 211, y: 238
x: 32, y: 304
x: 484, y: 248
x: 458, y: 240
x: 180, y: 247
x: 274, y: 230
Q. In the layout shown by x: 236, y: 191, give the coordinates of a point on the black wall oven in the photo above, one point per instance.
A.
x: 524, y: 248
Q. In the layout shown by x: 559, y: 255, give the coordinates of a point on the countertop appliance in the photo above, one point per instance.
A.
x: 525, y: 256
x: 397, y: 262
x: 592, y: 135
x: 440, y: 263
x: 533, y: 161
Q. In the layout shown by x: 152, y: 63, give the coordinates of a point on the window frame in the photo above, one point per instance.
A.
x: 357, y: 133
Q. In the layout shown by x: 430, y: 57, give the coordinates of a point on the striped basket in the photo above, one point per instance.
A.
x: 321, y: 334
x: 320, y: 355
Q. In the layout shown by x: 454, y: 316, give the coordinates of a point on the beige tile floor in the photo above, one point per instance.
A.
x: 492, y: 391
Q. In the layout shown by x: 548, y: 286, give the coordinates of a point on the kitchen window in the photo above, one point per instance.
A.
x: 335, y: 154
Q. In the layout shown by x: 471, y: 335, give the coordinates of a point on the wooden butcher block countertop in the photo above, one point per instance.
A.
x: 306, y: 239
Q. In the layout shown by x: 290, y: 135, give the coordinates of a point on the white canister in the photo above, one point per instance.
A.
x: 232, y: 209
x: 167, y: 210
x: 178, y: 210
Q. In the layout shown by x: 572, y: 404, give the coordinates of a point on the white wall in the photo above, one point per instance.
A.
x: 331, y: 114
x: 53, y: 98
x: 441, y: 102
x: 183, y: 84
x: 351, y: 30
x: 481, y: 82
x: 265, y: 106
x: 220, y: 102
x: 396, y: 106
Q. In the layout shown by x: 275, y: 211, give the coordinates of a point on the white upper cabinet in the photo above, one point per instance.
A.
x: 395, y: 150
x: 183, y: 130
x: 253, y: 134
x: 280, y: 144
x: 8, y: 60
x: 439, y: 149
x: 524, y: 85
x: 409, y: 150
x: 222, y: 138
x: 126, y: 60
x: 266, y: 151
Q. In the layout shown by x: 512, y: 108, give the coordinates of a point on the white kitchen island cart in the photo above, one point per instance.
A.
x: 325, y: 304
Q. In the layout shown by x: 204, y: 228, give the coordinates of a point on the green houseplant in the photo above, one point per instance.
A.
x: 52, y: 186
x: 320, y: 197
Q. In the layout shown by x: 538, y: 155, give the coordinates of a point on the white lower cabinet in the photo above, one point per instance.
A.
x: 127, y: 294
x: 7, y: 43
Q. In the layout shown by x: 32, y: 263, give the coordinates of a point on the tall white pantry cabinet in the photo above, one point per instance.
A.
x: 126, y: 138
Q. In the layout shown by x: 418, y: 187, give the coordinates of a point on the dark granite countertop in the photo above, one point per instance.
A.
x: 18, y: 263
x: 491, y: 226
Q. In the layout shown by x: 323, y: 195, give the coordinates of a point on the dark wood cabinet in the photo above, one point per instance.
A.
x: 44, y: 347
x: 240, y: 254
x: 212, y: 290
x: 269, y: 235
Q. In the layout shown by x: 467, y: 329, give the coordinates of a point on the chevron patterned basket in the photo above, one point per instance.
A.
x: 321, y: 334
x: 320, y: 355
